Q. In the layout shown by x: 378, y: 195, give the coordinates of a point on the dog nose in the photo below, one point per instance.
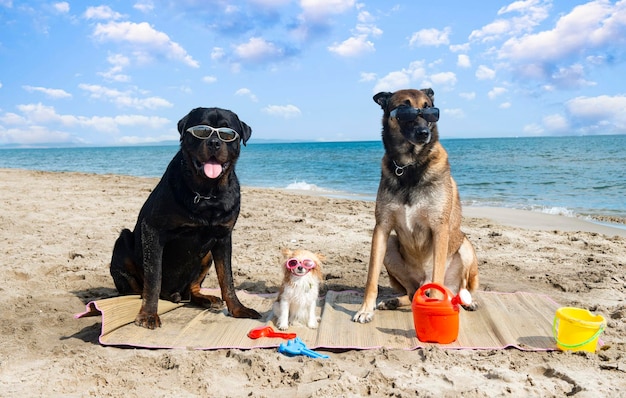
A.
x: 213, y: 143
x: 422, y: 134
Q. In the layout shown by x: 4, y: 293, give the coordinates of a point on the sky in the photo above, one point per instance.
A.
x: 124, y: 72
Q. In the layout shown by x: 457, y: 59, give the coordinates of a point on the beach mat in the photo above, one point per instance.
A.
x: 521, y: 320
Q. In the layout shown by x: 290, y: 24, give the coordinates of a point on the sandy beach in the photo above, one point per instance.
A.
x: 56, y: 237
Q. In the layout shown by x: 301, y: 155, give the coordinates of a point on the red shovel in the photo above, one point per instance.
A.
x: 267, y: 331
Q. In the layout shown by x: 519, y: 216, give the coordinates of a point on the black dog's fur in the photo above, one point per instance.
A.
x: 186, y: 224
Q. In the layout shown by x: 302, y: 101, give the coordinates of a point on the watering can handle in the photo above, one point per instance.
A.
x: 435, y: 286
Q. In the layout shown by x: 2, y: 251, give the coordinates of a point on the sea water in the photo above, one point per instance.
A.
x: 560, y: 175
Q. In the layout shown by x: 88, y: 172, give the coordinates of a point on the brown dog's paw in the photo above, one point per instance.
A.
x: 245, y: 312
x: 149, y: 321
x: 471, y: 307
x: 390, y: 304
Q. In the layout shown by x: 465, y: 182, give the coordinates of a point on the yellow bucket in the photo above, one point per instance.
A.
x: 577, y: 329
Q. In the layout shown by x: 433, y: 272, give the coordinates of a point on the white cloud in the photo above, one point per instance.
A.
x: 401, y: 79
x: 533, y: 129
x: 39, y: 123
x: 443, y: 78
x: 430, y: 37
x: 556, y: 123
x: 496, y: 91
x: 603, y: 105
x: 50, y: 92
x: 485, y: 73
x: 367, y: 77
x: 491, y: 31
x: 209, y: 79
x: 118, y: 63
x: 258, y: 49
x: 271, y: 3
x: 245, y: 92
x: 586, y: 28
x: 457, y: 48
x: 144, y: 6
x: 285, y: 111
x: 528, y: 15
x: 504, y: 105
x: 145, y: 39
x: 320, y: 9
x: 359, y: 43
x: 102, y: 12
x: 463, y: 61
x: 570, y: 77
x: 468, y: 96
x: 33, y: 135
x: 352, y: 47
x: 124, y: 98
x: 62, y: 7
x: 217, y: 53
x: 393, y: 81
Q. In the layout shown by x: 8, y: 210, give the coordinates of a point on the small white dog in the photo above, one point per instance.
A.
x: 297, y: 299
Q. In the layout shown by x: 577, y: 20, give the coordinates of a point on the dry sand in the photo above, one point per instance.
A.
x: 58, y: 230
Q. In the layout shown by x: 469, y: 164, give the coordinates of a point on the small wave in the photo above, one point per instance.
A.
x: 559, y: 211
x: 303, y: 186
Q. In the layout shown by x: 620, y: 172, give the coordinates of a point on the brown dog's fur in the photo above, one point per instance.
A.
x: 418, y: 200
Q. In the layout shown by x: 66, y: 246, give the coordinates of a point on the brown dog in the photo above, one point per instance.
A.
x: 418, y: 199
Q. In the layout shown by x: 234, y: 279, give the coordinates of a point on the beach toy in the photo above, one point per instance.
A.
x: 437, y: 320
x: 577, y: 329
x: 268, y: 331
x: 297, y: 347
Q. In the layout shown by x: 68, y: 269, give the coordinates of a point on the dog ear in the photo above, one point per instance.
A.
x: 430, y: 93
x: 246, y: 132
x: 382, y: 98
x: 287, y: 253
x: 181, y: 125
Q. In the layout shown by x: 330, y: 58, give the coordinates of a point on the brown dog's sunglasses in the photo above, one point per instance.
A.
x: 205, y: 132
x: 409, y: 114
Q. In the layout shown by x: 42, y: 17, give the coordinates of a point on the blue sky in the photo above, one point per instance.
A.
x: 124, y: 72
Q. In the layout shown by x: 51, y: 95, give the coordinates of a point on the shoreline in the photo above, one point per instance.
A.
x: 520, y: 218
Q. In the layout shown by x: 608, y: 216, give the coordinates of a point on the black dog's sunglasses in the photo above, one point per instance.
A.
x: 408, y: 114
x: 205, y: 132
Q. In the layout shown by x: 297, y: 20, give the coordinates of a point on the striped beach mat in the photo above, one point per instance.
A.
x: 522, y: 320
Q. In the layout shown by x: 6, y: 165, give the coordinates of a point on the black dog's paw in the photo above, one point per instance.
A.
x: 148, y: 321
x: 207, y: 301
x: 245, y: 312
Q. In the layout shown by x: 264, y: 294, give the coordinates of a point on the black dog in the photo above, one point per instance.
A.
x: 187, y: 221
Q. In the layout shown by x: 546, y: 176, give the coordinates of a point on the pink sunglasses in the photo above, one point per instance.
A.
x: 293, y: 263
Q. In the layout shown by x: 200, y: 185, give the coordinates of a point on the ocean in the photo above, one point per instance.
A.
x: 573, y: 176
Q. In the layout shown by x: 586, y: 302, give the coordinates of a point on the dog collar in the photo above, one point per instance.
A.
x: 199, y: 197
x: 400, y: 169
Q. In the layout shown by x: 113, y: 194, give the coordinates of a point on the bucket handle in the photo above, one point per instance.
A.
x: 589, y: 340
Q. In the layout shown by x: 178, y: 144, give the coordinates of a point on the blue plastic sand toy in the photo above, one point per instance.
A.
x: 297, y: 347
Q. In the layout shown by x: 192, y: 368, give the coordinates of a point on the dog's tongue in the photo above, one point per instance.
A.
x: 212, y: 169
